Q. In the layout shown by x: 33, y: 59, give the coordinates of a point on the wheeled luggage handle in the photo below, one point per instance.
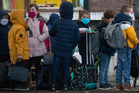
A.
x: 86, y: 48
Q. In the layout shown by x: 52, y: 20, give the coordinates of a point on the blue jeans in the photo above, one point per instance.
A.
x: 124, y: 64
x: 66, y: 69
x: 104, y: 68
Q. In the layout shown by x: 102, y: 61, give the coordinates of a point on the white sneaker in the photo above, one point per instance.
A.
x: 137, y: 83
x: 131, y: 82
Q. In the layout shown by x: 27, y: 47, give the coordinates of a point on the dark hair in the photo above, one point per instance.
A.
x: 125, y: 8
x: 109, y: 14
x: 82, y: 12
x: 37, y: 8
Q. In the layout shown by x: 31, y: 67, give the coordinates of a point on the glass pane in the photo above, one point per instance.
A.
x: 13, y: 4
x: 46, y: 3
x: 79, y: 4
x: 56, y: 3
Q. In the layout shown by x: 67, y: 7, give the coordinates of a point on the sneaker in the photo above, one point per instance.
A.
x: 119, y: 87
x: 103, y: 87
x: 11, y: 89
x: 138, y: 83
x: 129, y: 88
x: 53, y: 88
x: 21, y: 88
x: 65, y: 87
x: 110, y: 86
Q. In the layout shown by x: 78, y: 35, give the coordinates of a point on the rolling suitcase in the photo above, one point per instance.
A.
x: 84, y: 77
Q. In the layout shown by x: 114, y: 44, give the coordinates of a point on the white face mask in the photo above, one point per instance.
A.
x: 131, y: 15
x: 4, y: 21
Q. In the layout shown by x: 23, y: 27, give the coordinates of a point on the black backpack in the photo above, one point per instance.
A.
x: 134, y: 64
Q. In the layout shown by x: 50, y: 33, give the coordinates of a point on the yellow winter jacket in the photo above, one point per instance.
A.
x: 130, y: 35
x: 17, y: 36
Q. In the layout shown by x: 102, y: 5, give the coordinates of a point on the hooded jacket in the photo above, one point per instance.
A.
x: 65, y: 31
x: 36, y: 42
x: 17, y: 36
x: 136, y: 12
x: 4, y: 48
x: 128, y: 30
x: 52, y: 19
x: 105, y: 48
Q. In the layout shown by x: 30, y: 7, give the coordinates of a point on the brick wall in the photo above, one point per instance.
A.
x: 0, y: 4
x: 102, y: 5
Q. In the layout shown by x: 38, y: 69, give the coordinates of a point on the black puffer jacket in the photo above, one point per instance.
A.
x: 82, y: 43
x: 4, y: 48
x: 65, y: 31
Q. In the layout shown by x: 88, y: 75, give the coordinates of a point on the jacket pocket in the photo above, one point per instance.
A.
x: 26, y: 53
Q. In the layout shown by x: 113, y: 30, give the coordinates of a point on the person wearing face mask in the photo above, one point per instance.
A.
x: 124, y: 54
x: 105, y: 51
x: 40, y: 33
x: 83, y: 24
x: 4, y: 29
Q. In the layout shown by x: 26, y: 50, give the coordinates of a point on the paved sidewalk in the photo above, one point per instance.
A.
x: 69, y: 91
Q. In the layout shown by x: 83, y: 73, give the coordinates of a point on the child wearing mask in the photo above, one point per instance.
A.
x: 4, y: 29
x: 105, y: 51
x: 36, y: 43
x: 124, y: 55
x: 83, y: 24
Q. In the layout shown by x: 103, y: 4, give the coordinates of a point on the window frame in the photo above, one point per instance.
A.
x: 26, y: 3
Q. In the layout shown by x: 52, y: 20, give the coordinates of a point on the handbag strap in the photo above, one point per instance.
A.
x: 50, y: 45
x: 18, y: 61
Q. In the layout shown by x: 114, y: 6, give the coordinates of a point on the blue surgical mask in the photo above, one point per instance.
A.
x: 25, y: 19
x: 85, y: 20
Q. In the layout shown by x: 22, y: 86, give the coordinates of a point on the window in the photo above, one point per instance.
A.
x: 79, y: 4
x: 56, y: 3
x: 13, y: 4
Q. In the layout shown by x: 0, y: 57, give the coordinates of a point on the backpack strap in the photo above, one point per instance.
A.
x: 26, y: 20
x: 125, y: 22
x: 47, y: 40
x: 41, y: 26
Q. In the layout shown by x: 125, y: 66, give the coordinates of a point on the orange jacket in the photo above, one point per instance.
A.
x: 17, y: 36
x: 130, y: 35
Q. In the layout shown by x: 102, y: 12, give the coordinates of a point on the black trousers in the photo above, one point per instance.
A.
x: 33, y: 61
x: 4, y: 58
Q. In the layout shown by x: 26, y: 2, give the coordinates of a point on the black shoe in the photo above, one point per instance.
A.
x: 65, y: 87
x: 103, y: 87
x: 53, y: 88
x: 21, y: 88
x: 110, y: 86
